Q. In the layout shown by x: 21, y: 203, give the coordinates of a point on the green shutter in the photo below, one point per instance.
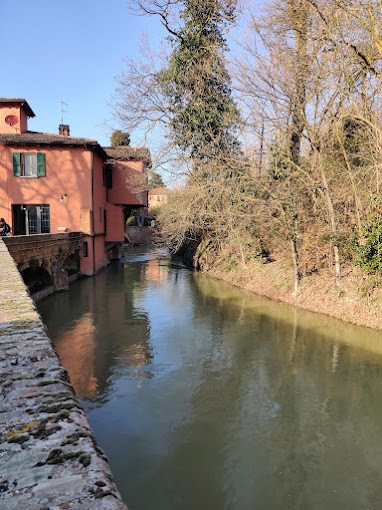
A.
x: 16, y: 164
x: 40, y: 164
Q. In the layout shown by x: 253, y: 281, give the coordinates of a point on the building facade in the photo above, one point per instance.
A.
x: 56, y: 183
x: 157, y: 197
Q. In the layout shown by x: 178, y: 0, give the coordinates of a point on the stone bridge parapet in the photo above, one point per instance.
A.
x: 56, y: 255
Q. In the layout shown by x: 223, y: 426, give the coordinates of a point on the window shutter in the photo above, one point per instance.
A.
x: 17, y: 164
x: 41, y: 164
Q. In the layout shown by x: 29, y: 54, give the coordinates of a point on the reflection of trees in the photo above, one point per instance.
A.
x: 273, y: 425
x: 257, y: 408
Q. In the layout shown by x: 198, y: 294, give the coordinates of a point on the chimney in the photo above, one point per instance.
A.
x: 64, y: 129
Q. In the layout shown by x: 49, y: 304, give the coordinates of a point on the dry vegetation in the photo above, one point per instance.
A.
x: 297, y: 215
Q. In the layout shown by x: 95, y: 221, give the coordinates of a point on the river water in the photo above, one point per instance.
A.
x: 207, y: 397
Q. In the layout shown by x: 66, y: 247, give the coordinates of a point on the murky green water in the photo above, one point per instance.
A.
x: 207, y: 397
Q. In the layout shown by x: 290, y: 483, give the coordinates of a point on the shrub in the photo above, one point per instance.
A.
x: 131, y: 221
x: 368, y: 247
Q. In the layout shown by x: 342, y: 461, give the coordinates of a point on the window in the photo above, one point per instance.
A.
x: 107, y: 176
x: 29, y: 164
x: 86, y: 249
x: 31, y: 219
x: 38, y: 219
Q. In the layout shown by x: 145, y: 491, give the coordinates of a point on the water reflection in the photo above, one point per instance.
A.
x: 97, y: 328
x: 76, y: 350
x: 204, y: 396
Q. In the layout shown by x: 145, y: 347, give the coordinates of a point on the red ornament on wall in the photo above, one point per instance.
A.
x: 11, y: 120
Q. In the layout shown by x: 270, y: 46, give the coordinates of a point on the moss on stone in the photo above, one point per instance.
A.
x: 47, y: 382
x: 62, y: 415
x: 57, y: 407
x: 21, y: 430
x: 85, y: 459
x: 21, y: 438
x: 73, y: 438
x: 59, y: 456
x: 99, y: 493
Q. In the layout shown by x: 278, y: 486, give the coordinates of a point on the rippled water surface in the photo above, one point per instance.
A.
x: 207, y: 397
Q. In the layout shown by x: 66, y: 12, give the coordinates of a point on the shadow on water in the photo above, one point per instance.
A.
x: 205, y: 396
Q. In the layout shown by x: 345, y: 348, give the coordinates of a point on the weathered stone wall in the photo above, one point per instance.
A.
x: 48, y: 251
x: 49, y: 459
x: 43, y: 247
x: 139, y: 235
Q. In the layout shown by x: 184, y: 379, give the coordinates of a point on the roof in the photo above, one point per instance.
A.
x: 127, y: 153
x: 21, y: 101
x: 159, y: 191
x: 31, y: 138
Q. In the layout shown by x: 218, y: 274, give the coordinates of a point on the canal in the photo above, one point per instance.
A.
x: 204, y: 396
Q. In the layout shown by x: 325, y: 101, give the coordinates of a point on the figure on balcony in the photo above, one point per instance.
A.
x: 5, y: 229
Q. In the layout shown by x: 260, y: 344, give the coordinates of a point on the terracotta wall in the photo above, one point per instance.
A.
x: 129, y: 181
x: 115, y: 230
x: 66, y: 187
x: 99, y: 194
x: 17, y: 111
x: 96, y: 258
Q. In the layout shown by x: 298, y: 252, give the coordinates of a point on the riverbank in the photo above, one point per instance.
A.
x: 355, y: 298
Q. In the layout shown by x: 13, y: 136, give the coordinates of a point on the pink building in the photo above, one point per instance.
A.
x: 129, y: 166
x: 157, y: 197
x: 58, y: 183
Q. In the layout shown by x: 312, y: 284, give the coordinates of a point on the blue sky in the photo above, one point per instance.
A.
x: 70, y: 51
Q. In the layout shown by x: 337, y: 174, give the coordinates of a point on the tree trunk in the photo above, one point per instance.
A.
x: 296, y: 266
x: 332, y: 221
x: 298, y: 12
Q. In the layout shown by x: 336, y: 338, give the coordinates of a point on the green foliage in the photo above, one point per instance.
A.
x: 204, y: 118
x: 228, y: 264
x: 280, y: 165
x: 154, y: 212
x: 119, y: 138
x: 368, y: 248
x: 367, y: 287
x: 131, y: 221
x: 155, y: 180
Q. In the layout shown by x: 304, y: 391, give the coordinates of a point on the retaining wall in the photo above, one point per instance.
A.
x: 139, y: 235
x: 49, y: 459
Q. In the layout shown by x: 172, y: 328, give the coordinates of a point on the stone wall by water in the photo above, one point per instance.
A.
x: 49, y: 459
x: 139, y: 235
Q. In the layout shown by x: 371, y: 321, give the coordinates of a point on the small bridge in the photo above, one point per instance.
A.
x: 46, y: 261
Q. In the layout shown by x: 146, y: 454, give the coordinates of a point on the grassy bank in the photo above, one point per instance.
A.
x: 356, y: 298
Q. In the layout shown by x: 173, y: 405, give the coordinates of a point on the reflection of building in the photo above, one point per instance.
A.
x: 76, y: 350
x: 98, y: 329
x: 157, y: 197
x: 155, y: 271
x: 59, y: 183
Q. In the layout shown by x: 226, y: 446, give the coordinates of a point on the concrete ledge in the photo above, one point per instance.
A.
x: 49, y: 458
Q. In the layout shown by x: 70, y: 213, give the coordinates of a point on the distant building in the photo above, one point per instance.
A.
x: 157, y: 197
x: 59, y: 183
